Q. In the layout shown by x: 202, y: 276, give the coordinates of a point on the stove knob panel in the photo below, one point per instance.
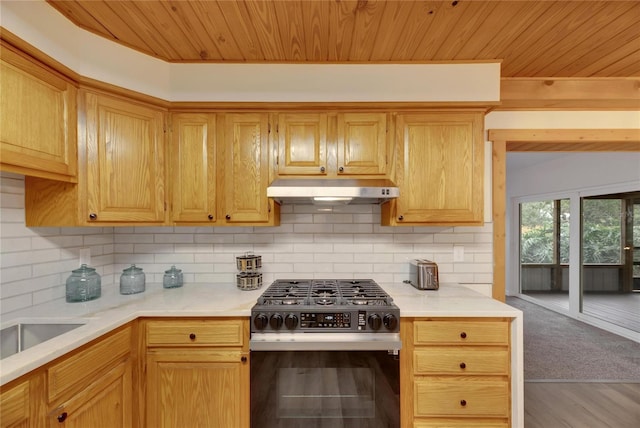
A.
x: 276, y: 321
x: 375, y: 322
x: 291, y: 321
x: 261, y: 321
x: 390, y: 321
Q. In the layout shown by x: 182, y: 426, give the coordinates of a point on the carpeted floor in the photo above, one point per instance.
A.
x: 557, y: 347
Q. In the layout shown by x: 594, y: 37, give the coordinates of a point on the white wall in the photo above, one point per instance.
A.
x: 35, y: 262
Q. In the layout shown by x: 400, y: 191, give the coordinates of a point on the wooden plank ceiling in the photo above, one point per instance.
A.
x: 532, y: 38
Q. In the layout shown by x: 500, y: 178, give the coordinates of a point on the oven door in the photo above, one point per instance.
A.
x: 317, y: 389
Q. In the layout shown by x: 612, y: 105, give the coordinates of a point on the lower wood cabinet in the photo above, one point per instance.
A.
x: 197, y: 373
x: 105, y: 402
x: 18, y: 409
x: 89, y: 387
x: 455, y: 372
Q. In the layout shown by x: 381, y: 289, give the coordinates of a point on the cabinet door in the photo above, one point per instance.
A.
x: 440, y: 175
x: 105, y: 403
x: 125, y: 161
x: 193, y: 167
x: 197, y: 388
x: 246, y: 167
x: 37, y: 119
x: 14, y: 404
x: 362, y: 144
x: 302, y: 144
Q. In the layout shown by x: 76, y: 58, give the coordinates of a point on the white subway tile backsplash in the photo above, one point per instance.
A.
x: 11, y: 215
x: 313, y: 228
x: 353, y: 228
x: 15, y: 244
x: 333, y: 258
x: 345, y: 242
x: 175, y: 238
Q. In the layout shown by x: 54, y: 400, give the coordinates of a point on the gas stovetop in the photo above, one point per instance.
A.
x: 325, y: 305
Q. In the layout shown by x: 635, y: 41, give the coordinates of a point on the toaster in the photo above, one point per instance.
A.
x: 423, y: 274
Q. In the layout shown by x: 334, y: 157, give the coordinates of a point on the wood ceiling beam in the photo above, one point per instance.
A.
x: 594, y: 93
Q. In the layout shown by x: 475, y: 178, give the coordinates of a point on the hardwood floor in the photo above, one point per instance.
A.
x: 581, y: 405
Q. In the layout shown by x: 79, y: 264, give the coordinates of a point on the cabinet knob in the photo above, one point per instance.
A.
x: 228, y: 217
x: 401, y: 217
x: 243, y: 359
x: 93, y: 216
x: 210, y: 216
x: 463, y: 366
x: 463, y: 403
x: 192, y: 336
x: 62, y: 417
x: 463, y: 335
x: 341, y: 169
x: 322, y: 169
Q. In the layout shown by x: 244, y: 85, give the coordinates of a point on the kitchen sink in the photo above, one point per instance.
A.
x: 18, y: 337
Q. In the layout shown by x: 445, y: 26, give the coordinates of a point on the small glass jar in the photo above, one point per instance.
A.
x: 172, y: 278
x: 132, y: 280
x: 84, y: 284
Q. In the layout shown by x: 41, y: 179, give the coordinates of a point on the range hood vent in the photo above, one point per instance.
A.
x: 332, y: 191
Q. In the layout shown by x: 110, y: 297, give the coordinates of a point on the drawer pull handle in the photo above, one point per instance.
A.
x: 62, y: 417
x: 192, y: 336
x: 463, y: 366
x: 463, y: 403
x: 210, y: 216
x: 243, y: 359
x: 463, y: 335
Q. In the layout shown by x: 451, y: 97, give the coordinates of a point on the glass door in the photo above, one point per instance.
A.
x: 544, y: 251
x: 610, y: 260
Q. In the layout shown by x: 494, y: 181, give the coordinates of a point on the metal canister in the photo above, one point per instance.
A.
x: 249, y: 262
x: 249, y: 281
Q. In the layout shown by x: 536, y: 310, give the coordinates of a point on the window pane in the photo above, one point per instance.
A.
x: 536, y: 232
x: 602, y: 231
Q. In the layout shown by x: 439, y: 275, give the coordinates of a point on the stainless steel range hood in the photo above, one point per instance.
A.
x: 332, y: 191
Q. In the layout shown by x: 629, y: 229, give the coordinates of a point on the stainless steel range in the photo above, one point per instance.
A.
x: 324, y: 353
x: 360, y: 310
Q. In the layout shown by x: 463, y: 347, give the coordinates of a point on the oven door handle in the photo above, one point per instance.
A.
x: 325, y: 342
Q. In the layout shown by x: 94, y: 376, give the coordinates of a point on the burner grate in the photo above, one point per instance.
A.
x: 325, y: 292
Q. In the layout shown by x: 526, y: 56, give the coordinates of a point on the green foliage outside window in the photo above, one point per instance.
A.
x: 601, y: 239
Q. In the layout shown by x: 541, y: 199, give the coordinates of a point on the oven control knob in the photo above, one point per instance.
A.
x: 261, y: 321
x: 276, y: 321
x: 291, y: 321
x: 390, y: 321
x: 375, y: 322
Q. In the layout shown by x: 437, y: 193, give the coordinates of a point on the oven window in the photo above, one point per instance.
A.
x: 325, y: 389
x: 326, y: 393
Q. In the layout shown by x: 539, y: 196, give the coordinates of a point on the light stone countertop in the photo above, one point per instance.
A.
x: 112, y: 310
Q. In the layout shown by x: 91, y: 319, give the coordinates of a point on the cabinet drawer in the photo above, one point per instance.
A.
x: 461, y: 360
x: 462, y: 332
x: 195, y: 332
x: 459, y: 423
x: 75, y: 371
x: 462, y: 396
x: 14, y: 405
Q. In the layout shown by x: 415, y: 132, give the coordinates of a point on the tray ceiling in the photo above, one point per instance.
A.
x: 531, y: 38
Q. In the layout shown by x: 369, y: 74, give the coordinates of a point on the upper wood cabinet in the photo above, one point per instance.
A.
x: 192, y: 160
x: 333, y: 144
x: 124, y: 143
x: 362, y: 144
x: 245, y: 170
x: 37, y: 119
x: 440, y: 170
x: 302, y: 144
